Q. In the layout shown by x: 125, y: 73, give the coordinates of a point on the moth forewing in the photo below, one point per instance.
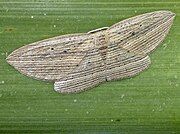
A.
x: 135, y: 33
x: 51, y: 59
x: 131, y: 40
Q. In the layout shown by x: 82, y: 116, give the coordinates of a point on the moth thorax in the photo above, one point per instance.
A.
x: 101, y: 43
x: 101, y: 40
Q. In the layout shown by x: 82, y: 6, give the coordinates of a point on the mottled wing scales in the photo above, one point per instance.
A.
x: 129, y: 69
x: 131, y: 40
x: 122, y: 63
x: 51, y: 59
x: 143, y: 33
x: 89, y: 73
x: 79, y: 84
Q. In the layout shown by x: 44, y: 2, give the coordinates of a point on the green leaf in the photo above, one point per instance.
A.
x: 147, y: 103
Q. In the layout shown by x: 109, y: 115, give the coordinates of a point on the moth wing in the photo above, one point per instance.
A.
x: 143, y: 33
x: 51, y: 59
x: 122, y: 63
x: 89, y: 73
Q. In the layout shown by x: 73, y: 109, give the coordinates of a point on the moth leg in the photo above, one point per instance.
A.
x: 128, y: 70
x: 79, y: 84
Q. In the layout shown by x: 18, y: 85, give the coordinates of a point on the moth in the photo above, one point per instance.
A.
x: 76, y: 62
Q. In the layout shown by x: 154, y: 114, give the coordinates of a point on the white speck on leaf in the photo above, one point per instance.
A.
x: 32, y: 17
x: 87, y: 112
x: 112, y: 120
x: 54, y: 26
x: 75, y: 100
x: 164, y: 46
x: 160, y: 108
x: 66, y: 110
x: 122, y: 96
x: 2, y: 82
x: 171, y: 65
x: 170, y: 83
x: 44, y: 13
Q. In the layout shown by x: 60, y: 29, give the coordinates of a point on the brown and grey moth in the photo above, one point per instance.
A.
x: 77, y: 62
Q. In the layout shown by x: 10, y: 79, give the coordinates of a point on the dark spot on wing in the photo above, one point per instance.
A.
x: 65, y: 51
x: 133, y: 33
x: 103, y: 47
x: 52, y: 48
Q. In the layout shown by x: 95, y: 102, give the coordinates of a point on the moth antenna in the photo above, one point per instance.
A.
x: 97, y: 30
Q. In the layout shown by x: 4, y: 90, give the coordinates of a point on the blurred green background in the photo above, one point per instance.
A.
x: 147, y: 103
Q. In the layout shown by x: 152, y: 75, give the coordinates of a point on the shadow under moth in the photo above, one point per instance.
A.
x: 76, y: 62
